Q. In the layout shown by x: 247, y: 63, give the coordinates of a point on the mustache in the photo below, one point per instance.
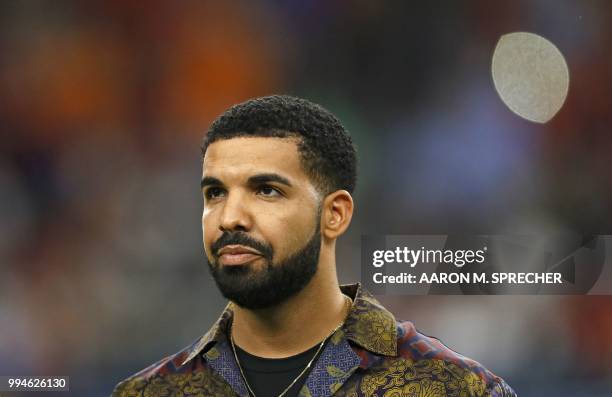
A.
x: 240, y: 238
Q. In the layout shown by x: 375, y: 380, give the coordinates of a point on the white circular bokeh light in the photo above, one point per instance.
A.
x: 530, y: 75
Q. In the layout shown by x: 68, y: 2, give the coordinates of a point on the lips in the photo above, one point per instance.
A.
x: 237, y: 255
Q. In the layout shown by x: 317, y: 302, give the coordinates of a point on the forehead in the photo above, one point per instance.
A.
x: 244, y: 156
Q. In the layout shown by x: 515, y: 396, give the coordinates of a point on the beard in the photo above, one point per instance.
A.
x: 271, y: 284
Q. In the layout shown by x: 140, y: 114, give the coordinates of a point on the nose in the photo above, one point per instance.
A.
x: 235, y: 215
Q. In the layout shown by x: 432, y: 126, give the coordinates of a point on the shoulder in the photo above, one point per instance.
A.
x: 139, y: 381
x: 430, y: 356
x: 423, y: 365
x: 169, y: 376
x: 183, y: 373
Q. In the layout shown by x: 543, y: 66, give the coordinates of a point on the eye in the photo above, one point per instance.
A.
x: 213, y: 193
x: 268, y: 191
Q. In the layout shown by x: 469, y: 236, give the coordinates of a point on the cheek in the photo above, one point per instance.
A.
x: 290, y: 232
x: 208, y: 228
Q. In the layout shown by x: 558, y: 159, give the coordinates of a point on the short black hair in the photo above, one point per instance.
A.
x: 328, y: 154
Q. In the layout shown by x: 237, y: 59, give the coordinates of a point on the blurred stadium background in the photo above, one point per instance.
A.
x: 103, y: 106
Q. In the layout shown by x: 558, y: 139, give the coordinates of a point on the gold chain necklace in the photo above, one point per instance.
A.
x: 348, y: 302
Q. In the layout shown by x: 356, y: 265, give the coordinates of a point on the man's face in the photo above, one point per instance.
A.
x: 260, y: 221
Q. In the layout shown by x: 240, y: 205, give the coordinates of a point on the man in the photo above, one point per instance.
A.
x: 277, y: 178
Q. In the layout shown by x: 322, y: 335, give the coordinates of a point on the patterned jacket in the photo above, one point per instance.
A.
x: 370, y: 355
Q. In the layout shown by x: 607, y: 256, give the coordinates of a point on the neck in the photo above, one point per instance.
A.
x: 296, y: 324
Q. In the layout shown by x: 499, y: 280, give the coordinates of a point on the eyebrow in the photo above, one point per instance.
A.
x: 269, y: 177
x: 209, y: 180
x: 253, y: 180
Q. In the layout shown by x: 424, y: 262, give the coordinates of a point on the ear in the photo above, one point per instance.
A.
x: 337, y: 213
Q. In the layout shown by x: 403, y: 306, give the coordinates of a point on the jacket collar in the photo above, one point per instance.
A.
x: 368, y: 324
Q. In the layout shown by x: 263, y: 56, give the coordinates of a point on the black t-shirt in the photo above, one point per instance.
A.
x: 268, y: 377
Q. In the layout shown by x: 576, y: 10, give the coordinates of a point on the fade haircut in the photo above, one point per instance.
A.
x: 326, y: 150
